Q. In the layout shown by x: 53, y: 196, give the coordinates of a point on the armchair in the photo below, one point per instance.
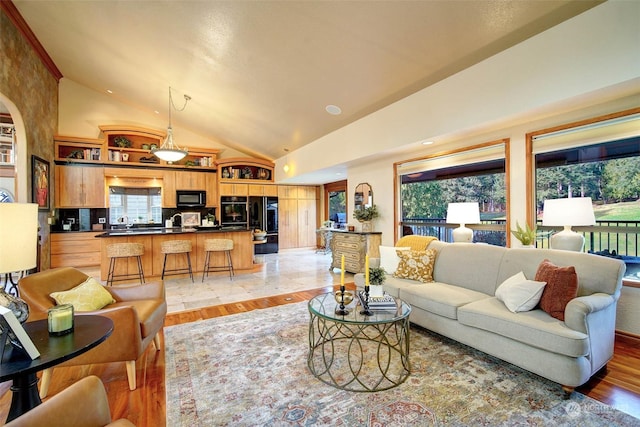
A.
x: 138, y: 316
x: 82, y: 404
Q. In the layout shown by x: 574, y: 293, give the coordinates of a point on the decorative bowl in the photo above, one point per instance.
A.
x: 348, y: 297
x: 260, y: 236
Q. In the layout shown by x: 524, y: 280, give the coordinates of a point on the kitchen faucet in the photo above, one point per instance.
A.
x: 173, y: 217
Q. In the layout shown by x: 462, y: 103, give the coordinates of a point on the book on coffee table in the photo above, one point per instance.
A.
x: 385, y: 302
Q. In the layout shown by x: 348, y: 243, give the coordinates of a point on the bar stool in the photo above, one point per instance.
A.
x: 176, y: 247
x: 218, y: 245
x: 124, y: 250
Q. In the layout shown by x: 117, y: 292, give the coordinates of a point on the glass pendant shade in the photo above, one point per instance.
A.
x: 168, y: 151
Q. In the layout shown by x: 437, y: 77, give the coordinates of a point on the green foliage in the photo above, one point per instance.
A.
x: 366, y: 214
x: 377, y: 275
x: 122, y: 142
x: 527, y: 235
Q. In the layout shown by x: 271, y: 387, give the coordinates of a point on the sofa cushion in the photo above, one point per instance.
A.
x: 416, y: 265
x: 535, y: 327
x: 440, y: 298
x: 87, y: 296
x: 389, y: 258
x: 393, y: 285
x: 520, y: 294
x: 562, y: 287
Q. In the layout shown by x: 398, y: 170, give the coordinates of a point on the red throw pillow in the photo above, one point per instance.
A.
x: 562, y: 287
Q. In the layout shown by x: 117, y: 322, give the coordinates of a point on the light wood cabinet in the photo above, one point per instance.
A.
x: 287, y: 223
x: 354, y: 246
x: 169, y: 189
x: 287, y: 191
x: 80, y: 187
x: 307, y: 223
x: 75, y: 249
x: 263, y: 190
x: 190, y: 180
x: 233, y: 189
x: 211, y: 185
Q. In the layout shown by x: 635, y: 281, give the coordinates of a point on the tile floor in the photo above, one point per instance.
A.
x: 287, y: 271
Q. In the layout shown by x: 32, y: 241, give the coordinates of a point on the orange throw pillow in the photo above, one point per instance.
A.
x: 562, y: 287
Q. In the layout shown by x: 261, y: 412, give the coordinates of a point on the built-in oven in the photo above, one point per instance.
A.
x: 191, y: 198
x: 234, y: 211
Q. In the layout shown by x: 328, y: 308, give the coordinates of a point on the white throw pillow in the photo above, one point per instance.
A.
x: 389, y: 258
x: 520, y: 294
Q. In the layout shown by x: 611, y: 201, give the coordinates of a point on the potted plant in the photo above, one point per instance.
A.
x: 365, y: 215
x: 526, y: 235
x: 377, y: 276
x: 122, y: 142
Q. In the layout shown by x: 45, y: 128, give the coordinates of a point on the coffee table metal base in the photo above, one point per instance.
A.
x: 361, y: 357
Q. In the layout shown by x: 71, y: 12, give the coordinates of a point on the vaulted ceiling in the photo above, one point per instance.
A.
x: 261, y: 73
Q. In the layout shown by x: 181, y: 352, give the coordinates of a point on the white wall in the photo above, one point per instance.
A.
x: 82, y: 110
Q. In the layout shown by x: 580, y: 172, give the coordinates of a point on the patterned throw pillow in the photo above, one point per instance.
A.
x: 88, y: 296
x: 562, y: 287
x: 416, y: 265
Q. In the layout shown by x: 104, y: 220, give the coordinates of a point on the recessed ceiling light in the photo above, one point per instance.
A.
x: 333, y: 109
x: 109, y: 91
x: 427, y: 142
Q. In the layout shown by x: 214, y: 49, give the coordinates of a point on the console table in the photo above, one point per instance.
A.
x: 354, y: 246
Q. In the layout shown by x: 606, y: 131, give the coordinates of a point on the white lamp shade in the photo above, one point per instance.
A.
x: 18, y: 236
x: 571, y: 211
x: 463, y: 213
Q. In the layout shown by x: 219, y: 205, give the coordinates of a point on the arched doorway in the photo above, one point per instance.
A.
x: 14, y: 173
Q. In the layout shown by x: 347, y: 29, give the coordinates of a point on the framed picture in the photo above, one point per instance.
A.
x: 40, y: 183
x: 11, y: 329
x: 190, y: 219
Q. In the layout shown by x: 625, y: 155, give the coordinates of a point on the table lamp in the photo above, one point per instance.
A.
x: 463, y: 213
x: 566, y: 213
x: 18, y: 248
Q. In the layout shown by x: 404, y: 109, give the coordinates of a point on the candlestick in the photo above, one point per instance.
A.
x: 342, y: 271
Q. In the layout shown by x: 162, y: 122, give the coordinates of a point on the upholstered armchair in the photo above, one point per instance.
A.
x: 82, y: 404
x: 138, y: 316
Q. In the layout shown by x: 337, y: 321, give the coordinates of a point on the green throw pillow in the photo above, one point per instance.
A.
x: 88, y: 296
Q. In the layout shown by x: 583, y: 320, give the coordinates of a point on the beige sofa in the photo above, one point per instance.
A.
x: 461, y: 304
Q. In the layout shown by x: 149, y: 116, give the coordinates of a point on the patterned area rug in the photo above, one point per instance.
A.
x: 250, y: 369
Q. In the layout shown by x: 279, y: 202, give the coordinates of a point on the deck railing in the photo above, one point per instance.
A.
x: 613, y: 238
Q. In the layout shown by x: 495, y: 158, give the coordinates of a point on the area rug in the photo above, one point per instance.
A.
x: 250, y: 369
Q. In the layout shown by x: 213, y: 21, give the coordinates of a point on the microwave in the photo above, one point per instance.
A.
x: 191, y: 198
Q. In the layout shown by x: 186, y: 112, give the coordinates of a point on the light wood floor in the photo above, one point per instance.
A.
x: 617, y: 385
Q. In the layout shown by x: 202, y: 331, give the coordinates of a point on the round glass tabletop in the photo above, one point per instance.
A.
x: 325, y: 306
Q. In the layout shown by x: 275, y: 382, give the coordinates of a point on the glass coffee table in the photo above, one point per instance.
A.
x: 355, y: 352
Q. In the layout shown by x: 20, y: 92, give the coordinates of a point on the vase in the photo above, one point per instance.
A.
x: 367, y: 226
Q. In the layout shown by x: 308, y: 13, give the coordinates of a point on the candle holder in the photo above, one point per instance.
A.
x: 366, y: 311
x: 343, y: 298
x: 60, y: 320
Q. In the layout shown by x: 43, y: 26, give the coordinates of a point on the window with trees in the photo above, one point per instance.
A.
x: 600, y: 160
x: 135, y: 205
x: 475, y: 174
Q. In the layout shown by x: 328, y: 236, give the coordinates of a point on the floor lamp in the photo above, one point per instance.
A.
x: 18, y: 248
x: 573, y: 211
x: 463, y: 213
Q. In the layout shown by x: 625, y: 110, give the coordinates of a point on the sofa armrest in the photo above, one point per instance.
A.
x: 152, y: 290
x: 579, y: 309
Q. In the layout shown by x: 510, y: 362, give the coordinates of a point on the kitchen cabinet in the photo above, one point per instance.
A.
x: 186, y: 180
x: 287, y: 223
x: 307, y: 223
x: 79, y: 187
x: 211, y: 185
x: 354, y: 246
x: 169, y: 189
x: 263, y: 190
x: 229, y: 189
x: 75, y: 249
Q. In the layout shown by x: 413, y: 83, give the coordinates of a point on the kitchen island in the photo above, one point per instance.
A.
x: 153, y: 258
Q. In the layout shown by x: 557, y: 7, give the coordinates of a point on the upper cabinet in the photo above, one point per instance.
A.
x: 122, y: 145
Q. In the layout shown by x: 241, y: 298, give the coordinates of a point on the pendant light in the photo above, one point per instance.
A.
x: 286, y: 161
x: 169, y: 151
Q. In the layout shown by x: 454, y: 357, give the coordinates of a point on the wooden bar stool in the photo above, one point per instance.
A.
x: 218, y: 245
x: 124, y: 250
x: 176, y: 247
